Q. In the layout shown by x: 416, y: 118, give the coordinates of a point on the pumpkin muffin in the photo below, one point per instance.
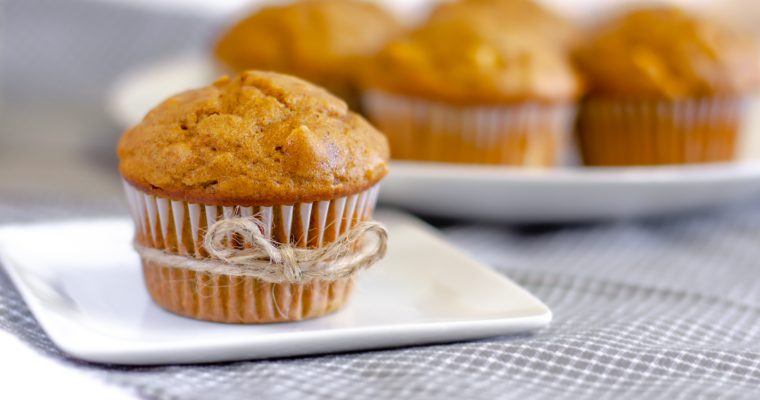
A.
x: 259, y: 144
x: 322, y: 41
x: 665, y: 87
x: 526, y: 15
x: 455, y: 91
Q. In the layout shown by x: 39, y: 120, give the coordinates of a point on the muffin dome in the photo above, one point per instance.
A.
x: 256, y: 139
x: 460, y: 62
x: 664, y: 52
x: 318, y: 40
x: 526, y: 15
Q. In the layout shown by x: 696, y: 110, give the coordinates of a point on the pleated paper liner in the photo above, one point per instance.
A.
x: 641, y: 132
x: 178, y: 227
x: 527, y: 134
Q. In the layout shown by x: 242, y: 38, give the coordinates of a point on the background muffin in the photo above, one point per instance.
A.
x: 458, y: 91
x: 664, y: 87
x: 526, y: 15
x: 258, y: 144
x: 318, y: 40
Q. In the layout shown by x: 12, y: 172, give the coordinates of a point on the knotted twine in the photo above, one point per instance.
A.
x: 358, y: 248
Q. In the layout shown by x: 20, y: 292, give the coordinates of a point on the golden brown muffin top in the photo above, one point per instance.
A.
x: 526, y: 15
x: 664, y: 52
x: 260, y: 138
x: 457, y: 61
x: 318, y: 40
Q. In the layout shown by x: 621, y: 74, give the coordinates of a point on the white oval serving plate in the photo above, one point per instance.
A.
x: 497, y: 193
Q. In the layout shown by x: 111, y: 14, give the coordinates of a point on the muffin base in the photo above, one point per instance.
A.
x: 525, y: 134
x: 241, y: 299
x: 177, y: 227
x: 618, y: 132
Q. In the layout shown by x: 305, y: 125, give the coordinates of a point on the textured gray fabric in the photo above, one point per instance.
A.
x: 659, y: 309
x: 653, y: 309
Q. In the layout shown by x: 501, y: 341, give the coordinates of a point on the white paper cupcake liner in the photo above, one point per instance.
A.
x: 646, y: 132
x: 178, y: 227
x: 525, y: 134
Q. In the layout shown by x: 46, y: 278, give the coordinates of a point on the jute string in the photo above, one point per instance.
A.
x: 358, y: 248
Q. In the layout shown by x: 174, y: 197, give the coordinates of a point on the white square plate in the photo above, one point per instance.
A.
x: 83, y: 282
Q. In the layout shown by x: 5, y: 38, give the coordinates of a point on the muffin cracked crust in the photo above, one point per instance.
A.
x: 255, y: 139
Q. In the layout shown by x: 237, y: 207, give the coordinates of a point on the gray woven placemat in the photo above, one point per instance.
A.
x: 654, y: 309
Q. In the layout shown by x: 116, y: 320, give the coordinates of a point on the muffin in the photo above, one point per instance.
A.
x: 318, y: 40
x: 665, y: 87
x: 454, y: 91
x: 260, y: 147
x: 527, y: 15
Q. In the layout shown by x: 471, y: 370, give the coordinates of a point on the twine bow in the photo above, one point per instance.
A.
x: 358, y: 248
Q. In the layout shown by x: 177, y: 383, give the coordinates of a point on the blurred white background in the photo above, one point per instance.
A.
x: 580, y: 9
x: 58, y: 59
